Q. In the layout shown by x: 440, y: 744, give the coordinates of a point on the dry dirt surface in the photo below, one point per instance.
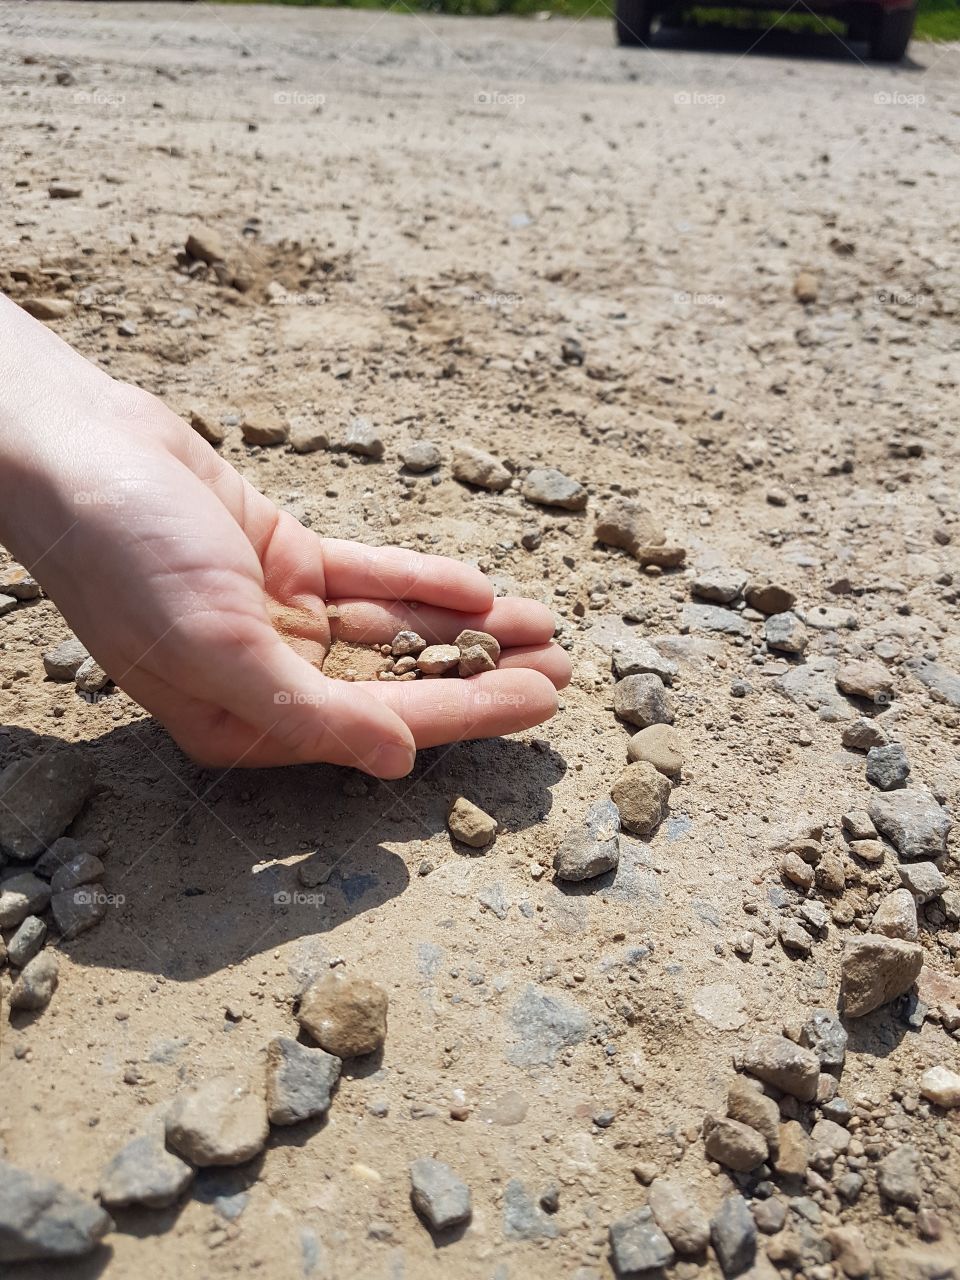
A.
x: 512, y: 234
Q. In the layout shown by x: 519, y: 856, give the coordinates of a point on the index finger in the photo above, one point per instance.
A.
x: 393, y: 573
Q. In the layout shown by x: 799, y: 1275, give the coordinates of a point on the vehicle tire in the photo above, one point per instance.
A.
x: 891, y: 35
x: 633, y: 22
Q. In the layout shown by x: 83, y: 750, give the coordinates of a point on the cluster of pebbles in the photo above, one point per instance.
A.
x: 409, y: 657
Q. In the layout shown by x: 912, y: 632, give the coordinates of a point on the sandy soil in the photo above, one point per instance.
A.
x: 444, y: 202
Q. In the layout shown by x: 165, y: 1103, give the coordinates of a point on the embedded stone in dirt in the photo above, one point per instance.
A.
x: 203, y: 244
x: 299, y: 1081
x: 421, y: 456
x: 16, y: 582
x: 551, y: 488
x: 863, y: 734
x: 345, y: 1015
x: 407, y: 644
x: 628, y: 525
x: 40, y: 1218
x: 65, y: 850
x: 912, y: 821
x: 719, y: 583
x: 470, y: 825
x: 307, y: 436
x: 713, y: 617
x: 659, y: 745
x: 363, y: 439
x: 806, y: 288
x: 829, y: 618
x: 641, y: 795
x: 868, y: 850
x: 856, y: 822
x: 592, y: 849
x: 39, y: 798
x: 896, y: 916
x: 79, y: 909
x: 793, y: 1150
x: 732, y: 1144
x: 769, y: 597
x: 678, y: 1216
x: 63, y: 662
x: 888, y: 767
x: 787, y: 1066
x: 7, y: 605
x: 875, y: 970
x: 144, y: 1172
x: 638, y: 1245
x: 797, y: 870
x: 824, y: 1033
x: 940, y: 1085
x: 37, y: 982
x: 438, y: 1194
x: 473, y: 466
x: 523, y: 1219
x: 265, y: 429
x: 869, y: 680
x: 925, y: 880
x: 82, y: 868
x: 478, y: 639
x: 26, y: 942
x: 642, y: 700
x: 473, y: 661
x: 207, y: 428
x: 91, y: 677
x: 543, y: 1025
x: 898, y: 1176
x: 218, y: 1122
x: 438, y: 659
x: 47, y: 308
x: 785, y: 633
x: 636, y: 657
x: 734, y: 1235
x: 21, y: 895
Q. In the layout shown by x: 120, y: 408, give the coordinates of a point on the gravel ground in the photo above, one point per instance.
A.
x: 511, y: 233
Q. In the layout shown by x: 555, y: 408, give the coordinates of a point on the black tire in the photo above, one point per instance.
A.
x: 891, y: 35
x: 633, y: 22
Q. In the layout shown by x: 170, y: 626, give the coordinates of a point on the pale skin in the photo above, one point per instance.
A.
x: 209, y: 606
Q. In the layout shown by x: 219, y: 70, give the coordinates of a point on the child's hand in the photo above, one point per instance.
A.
x: 208, y: 605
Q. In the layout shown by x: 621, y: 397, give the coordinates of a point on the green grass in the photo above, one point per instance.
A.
x: 936, y: 19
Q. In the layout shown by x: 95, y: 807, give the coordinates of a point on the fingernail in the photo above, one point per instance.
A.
x: 392, y: 760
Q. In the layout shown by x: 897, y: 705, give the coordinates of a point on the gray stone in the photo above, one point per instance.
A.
x: 26, y: 942
x: 40, y: 1218
x: 875, y: 970
x: 812, y: 684
x: 65, y: 850
x: 21, y: 895
x: 888, y: 767
x: 713, y: 617
x: 551, y: 488
x: 642, y: 700
x: 787, y: 1066
x: 679, y: 1217
x: 592, y: 849
x: 925, y: 880
x: 83, y: 868
x: 858, y: 825
x: 823, y: 1032
x: 638, y: 1244
x: 77, y: 910
x: 940, y: 680
x: 438, y: 1194
x: 39, y: 798
x: 363, y: 438
x: 794, y: 937
x: 221, y: 1121
x: 522, y: 1218
x: 144, y: 1172
x: 896, y: 916
x: 637, y: 657
x: 63, y: 661
x: 407, y: 644
x: 473, y: 466
x: 300, y: 1081
x: 7, y: 605
x: 913, y: 822
x: 734, y: 1235
x: 641, y: 794
x: 91, y: 677
x: 898, y: 1176
x: 733, y: 1144
x: 542, y: 1025
x: 830, y: 1136
x: 862, y: 734
x: 37, y: 982
x: 421, y: 456
x: 785, y: 633
x: 719, y: 583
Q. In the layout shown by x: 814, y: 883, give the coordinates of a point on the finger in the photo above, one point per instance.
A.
x: 549, y: 659
x: 514, y: 622
x: 391, y: 573
x: 485, y: 706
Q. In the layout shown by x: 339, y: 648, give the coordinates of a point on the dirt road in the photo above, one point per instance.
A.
x: 419, y: 213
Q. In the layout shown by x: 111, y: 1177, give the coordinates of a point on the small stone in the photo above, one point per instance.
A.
x: 635, y: 657
x: 407, y: 644
x: 47, y: 308
x: 858, y: 825
x: 593, y: 849
x: 7, y: 605
x: 474, y: 661
x: 77, y: 910
x: 793, y: 937
x: 719, y: 583
x: 40, y: 1218
x: 144, y: 1172
x: 470, y: 825
x: 830, y: 873
x: 659, y: 745
x: 896, y: 916
x: 940, y: 1085
x: 16, y: 582
x: 679, y: 1217
x: 628, y: 525
x: 785, y: 633
x: 814, y: 917
x: 898, y: 1176
x: 203, y: 244
x: 544, y: 1025
x: 888, y: 767
x: 734, y: 1235
x: 21, y: 895
x: 638, y: 1244
x: 63, y: 662
x: 747, y: 1103
x: 869, y: 850
x: 870, y: 680
x: 26, y: 942
x: 797, y: 871
x: 828, y: 618
x: 403, y: 665
x: 769, y: 1215
x: 713, y: 617
x: 793, y: 1150
x: 438, y: 1194
x: 207, y: 428
x: 218, y: 1122
x: 438, y: 659
x: 299, y: 1081
x: 769, y: 597
x: 913, y: 822
x: 862, y: 734
x: 733, y: 1144
x: 850, y: 1251
x: 127, y: 329
x: 345, y: 1015
x: 478, y: 640
x: 473, y: 466
x: 82, y: 868
x: 531, y: 539
x: 823, y: 1032
x: 875, y: 970
x: 924, y: 880
x: 265, y: 430
x: 40, y: 797
x: 65, y: 850
x: 35, y: 986
x: 641, y: 795
x: 551, y: 488
x: 307, y: 436
x: 363, y: 439
x: 523, y: 1219
x: 642, y: 700
x: 421, y: 456
x: 806, y: 288
x: 787, y: 1066
x: 91, y: 677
